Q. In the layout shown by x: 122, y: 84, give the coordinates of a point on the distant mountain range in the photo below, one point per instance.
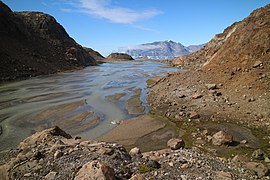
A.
x: 159, y: 50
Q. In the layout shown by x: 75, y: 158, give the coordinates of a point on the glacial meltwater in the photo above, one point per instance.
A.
x: 86, y: 103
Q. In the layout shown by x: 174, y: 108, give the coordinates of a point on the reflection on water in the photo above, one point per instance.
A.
x: 75, y: 101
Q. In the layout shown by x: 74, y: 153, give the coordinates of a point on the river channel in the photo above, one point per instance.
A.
x: 86, y: 103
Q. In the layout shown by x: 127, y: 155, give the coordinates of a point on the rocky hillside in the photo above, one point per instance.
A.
x: 54, y: 154
x: 160, y: 50
x: 34, y: 43
x: 229, y: 88
x: 241, y: 44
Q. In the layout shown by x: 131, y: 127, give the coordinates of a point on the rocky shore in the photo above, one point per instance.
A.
x: 54, y: 154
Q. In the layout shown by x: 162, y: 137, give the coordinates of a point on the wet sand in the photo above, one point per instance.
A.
x: 145, y: 132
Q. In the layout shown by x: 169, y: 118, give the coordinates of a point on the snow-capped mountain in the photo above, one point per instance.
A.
x: 159, y: 50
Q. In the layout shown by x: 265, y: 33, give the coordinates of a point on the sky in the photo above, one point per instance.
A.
x: 107, y: 25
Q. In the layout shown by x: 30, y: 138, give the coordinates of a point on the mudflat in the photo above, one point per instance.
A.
x: 138, y: 130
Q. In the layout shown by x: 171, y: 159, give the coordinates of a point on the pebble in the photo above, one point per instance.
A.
x: 57, y: 154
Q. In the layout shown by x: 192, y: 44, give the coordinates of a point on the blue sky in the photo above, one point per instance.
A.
x: 106, y: 25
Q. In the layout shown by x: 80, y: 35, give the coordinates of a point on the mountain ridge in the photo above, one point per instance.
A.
x: 160, y: 50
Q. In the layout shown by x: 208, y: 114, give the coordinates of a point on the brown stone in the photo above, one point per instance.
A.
x: 221, y: 175
x: 257, y: 64
x: 197, y: 96
x: 194, y: 115
x: 176, y: 143
x: 137, y: 177
x: 50, y: 176
x: 259, y: 168
x: 95, y: 170
x: 211, y: 86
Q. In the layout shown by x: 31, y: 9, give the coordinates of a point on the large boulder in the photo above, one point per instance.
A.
x: 119, y: 57
x: 222, y: 138
x: 176, y: 143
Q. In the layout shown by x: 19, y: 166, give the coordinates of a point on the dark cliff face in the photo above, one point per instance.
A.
x: 33, y: 43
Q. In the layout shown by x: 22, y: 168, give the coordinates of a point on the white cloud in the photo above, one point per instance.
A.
x: 104, y: 9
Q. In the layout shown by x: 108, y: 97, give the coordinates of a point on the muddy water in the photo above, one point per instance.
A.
x: 75, y: 101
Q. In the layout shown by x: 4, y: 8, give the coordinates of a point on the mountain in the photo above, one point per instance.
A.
x: 160, y: 50
x: 34, y: 43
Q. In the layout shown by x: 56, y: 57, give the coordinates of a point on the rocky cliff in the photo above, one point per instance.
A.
x: 34, y: 43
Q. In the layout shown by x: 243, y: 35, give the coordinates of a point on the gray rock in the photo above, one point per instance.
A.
x: 176, y: 143
x: 259, y: 154
x: 153, y: 164
x: 222, y: 138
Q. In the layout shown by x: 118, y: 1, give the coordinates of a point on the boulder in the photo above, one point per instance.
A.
x: 176, y: 143
x: 197, y: 96
x: 134, y: 151
x: 221, y: 175
x: 211, y: 86
x: 260, y: 169
x: 257, y: 64
x: 95, y: 170
x: 259, y: 154
x: 222, y: 138
x: 137, y: 177
x: 194, y: 115
x: 153, y: 164
x: 50, y: 176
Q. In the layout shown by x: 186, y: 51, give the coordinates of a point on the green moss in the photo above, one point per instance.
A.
x: 144, y: 168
